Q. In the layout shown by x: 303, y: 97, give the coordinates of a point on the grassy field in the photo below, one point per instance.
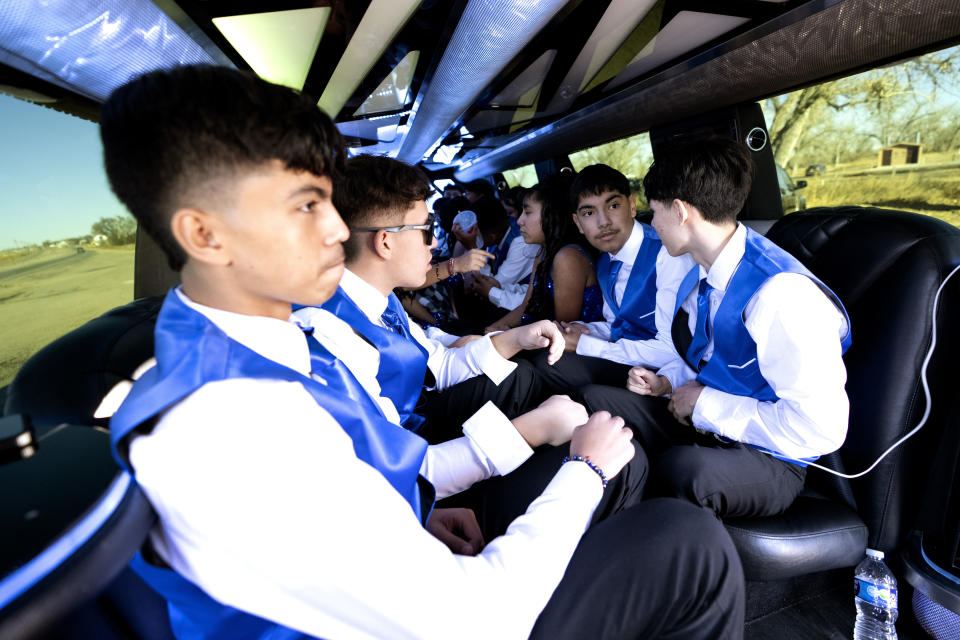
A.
x: 934, y: 192
x: 47, y: 292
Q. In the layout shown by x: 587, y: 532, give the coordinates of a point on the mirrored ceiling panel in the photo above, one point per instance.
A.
x: 523, y: 91
x: 393, y: 93
x: 278, y: 45
x: 685, y: 32
x: 618, y: 21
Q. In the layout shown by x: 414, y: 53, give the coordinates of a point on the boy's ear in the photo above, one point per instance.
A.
x: 681, y: 210
x: 382, y: 244
x: 196, y: 232
x: 576, y: 221
x: 632, y: 199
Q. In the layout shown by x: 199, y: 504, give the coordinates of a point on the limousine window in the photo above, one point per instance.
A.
x: 886, y: 137
x: 66, y: 243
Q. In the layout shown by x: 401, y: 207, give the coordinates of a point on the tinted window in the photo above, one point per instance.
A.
x: 887, y: 137
x: 66, y: 243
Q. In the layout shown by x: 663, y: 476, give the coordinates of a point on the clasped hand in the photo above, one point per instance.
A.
x: 552, y: 422
x: 458, y: 529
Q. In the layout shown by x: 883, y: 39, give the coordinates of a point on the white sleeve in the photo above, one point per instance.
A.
x: 797, y: 331
x: 451, y: 366
x: 508, y: 296
x: 519, y: 262
x: 264, y: 505
x: 491, y: 446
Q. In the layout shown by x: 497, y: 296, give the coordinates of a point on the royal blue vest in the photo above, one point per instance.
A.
x: 192, y: 351
x: 733, y: 367
x: 403, y: 361
x: 636, y: 315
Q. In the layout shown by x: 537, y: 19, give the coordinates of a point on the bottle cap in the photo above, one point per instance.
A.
x: 873, y: 553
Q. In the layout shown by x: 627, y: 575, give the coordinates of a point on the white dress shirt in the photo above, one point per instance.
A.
x: 798, y: 332
x: 654, y: 352
x: 448, y: 366
x: 517, y: 265
x: 264, y: 505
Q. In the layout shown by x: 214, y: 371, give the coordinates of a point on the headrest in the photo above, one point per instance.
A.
x: 66, y: 380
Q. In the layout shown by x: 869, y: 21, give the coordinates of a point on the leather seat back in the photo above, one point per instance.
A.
x: 66, y: 380
x: 886, y: 267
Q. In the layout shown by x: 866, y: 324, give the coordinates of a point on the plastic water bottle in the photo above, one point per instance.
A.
x: 875, y: 591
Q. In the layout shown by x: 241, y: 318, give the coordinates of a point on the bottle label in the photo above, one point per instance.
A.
x: 876, y: 594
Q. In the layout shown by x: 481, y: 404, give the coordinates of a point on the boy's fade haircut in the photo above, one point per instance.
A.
x: 714, y: 174
x: 596, y: 179
x: 169, y: 136
x: 376, y: 191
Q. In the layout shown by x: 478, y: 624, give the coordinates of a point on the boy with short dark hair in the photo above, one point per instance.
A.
x: 382, y: 202
x: 503, y: 283
x: 287, y: 503
x: 757, y: 380
x: 638, y: 278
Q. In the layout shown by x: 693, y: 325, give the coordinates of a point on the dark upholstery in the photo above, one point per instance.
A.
x: 886, y: 267
x: 66, y: 380
x: 89, y: 518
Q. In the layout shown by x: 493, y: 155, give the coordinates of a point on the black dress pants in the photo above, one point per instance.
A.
x: 729, y: 478
x: 661, y: 569
x: 499, y: 500
x: 446, y: 411
x: 572, y: 372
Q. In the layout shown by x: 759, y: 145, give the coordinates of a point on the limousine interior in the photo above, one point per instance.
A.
x: 471, y: 89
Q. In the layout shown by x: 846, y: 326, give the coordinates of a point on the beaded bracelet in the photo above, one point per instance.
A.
x: 436, y: 270
x: 586, y: 460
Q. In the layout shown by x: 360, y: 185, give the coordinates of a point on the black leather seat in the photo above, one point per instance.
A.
x: 66, y: 532
x: 66, y: 380
x: 886, y: 267
x: 93, y: 593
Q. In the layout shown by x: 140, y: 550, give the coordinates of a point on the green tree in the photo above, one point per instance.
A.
x: 118, y: 229
x: 897, y: 100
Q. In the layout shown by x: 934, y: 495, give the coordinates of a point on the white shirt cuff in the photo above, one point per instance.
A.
x: 494, y: 295
x: 489, y: 360
x: 497, y: 438
x: 587, y: 345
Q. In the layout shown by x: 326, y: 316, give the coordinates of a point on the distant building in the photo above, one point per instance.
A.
x: 99, y: 239
x: 900, y: 153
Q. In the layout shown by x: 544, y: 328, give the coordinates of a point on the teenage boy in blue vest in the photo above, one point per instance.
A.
x: 756, y: 386
x: 382, y: 201
x: 639, y: 280
x: 287, y: 503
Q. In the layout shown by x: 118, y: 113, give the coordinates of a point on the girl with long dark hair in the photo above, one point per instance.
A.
x: 564, y: 283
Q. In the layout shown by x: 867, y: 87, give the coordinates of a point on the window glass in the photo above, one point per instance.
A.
x: 630, y: 156
x: 887, y: 137
x: 66, y: 243
x: 525, y: 176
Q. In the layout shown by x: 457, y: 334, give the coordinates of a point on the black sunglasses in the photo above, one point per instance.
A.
x: 426, y: 228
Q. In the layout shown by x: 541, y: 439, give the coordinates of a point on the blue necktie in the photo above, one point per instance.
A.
x: 392, y: 321
x: 701, y: 334
x: 327, y: 366
x: 615, y: 266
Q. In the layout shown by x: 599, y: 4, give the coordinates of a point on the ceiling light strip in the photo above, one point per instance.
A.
x: 380, y: 24
x: 489, y: 35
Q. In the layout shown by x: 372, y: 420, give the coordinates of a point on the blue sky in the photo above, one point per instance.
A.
x: 52, y: 183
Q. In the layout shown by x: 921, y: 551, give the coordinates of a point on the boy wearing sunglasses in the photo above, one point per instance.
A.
x: 383, y: 202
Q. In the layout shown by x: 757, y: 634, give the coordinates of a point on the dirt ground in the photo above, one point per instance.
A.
x: 51, y: 291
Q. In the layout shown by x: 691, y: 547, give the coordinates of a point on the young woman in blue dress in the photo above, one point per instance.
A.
x: 564, y: 283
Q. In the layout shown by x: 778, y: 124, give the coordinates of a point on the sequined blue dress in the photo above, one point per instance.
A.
x: 592, y: 308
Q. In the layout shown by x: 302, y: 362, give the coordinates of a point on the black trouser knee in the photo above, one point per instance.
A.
x: 661, y: 569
